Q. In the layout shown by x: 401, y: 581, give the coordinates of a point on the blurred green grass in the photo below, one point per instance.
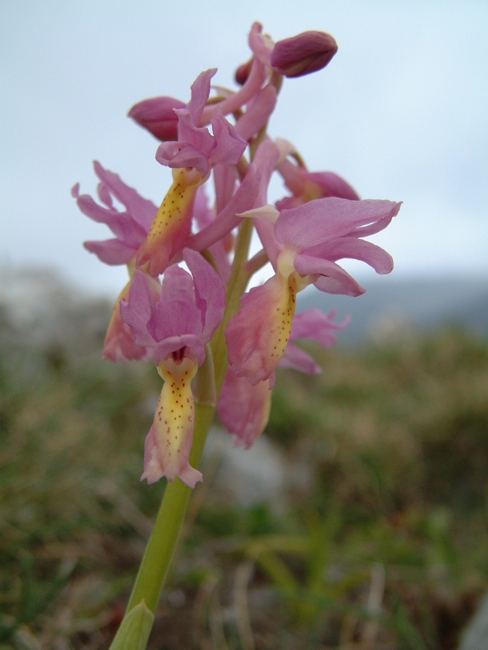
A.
x: 383, y: 544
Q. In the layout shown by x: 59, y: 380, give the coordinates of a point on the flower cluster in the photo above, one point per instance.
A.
x: 203, y: 322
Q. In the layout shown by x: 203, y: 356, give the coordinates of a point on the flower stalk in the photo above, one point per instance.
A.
x: 215, y: 343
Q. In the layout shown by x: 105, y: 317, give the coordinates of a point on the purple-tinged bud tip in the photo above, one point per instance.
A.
x: 157, y: 116
x: 302, y: 54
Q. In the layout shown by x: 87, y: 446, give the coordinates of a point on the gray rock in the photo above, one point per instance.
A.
x: 38, y: 309
x: 246, y: 476
x: 475, y: 636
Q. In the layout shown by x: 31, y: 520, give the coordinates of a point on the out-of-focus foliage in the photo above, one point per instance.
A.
x: 380, y: 541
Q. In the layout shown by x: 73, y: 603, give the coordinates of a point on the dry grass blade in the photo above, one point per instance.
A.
x: 373, y: 605
x: 242, y: 578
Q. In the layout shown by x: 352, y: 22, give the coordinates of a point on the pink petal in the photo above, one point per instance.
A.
x: 229, y: 145
x: 257, y: 113
x: 315, y: 325
x: 104, y: 194
x: 353, y: 248
x: 260, y: 44
x: 140, y: 209
x: 253, y: 83
x: 137, y: 308
x: 200, y: 91
x: 266, y: 157
x: 120, y: 344
x: 209, y: 293
x: 227, y: 220
x: 321, y: 220
x: 95, y: 211
x: 173, y: 343
x: 244, y: 409
x: 176, y: 312
x: 177, y: 156
x: 202, y: 214
x: 333, y: 279
x: 189, y: 134
x: 298, y: 359
x: 225, y: 180
x: 110, y: 251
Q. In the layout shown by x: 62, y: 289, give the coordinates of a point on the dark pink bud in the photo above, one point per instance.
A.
x: 303, y: 54
x: 242, y: 72
x: 157, y: 116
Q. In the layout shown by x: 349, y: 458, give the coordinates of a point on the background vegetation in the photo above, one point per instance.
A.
x: 378, y: 539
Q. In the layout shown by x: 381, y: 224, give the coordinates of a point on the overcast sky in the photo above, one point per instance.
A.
x: 401, y: 112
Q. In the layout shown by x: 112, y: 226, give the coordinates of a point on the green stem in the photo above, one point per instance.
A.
x: 164, y: 537
x: 235, y: 287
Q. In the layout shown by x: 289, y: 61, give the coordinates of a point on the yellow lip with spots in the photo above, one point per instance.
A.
x: 172, y: 224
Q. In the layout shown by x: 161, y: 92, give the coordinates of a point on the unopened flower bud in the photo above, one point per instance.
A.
x: 303, y: 54
x: 157, y: 116
x: 242, y: 72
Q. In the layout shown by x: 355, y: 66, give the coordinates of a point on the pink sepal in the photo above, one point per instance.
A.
x: 261, y: 44
x: 185, y: 313
x: 120, y: 343
x: 322, y: 220
x: 110, y: 251
x: 195, y: 146
x: 129, y: 227
x: 244, y: 409
x: 330, y: 277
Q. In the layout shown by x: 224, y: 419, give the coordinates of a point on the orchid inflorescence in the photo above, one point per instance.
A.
x: 212, y: 340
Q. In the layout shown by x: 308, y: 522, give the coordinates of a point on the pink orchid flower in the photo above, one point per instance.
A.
x: 192, y: 156
x: 130, y: 228
x: 174, y: 328
x: 303, y: 244
x: 244, y: 408
x: 195, y: 146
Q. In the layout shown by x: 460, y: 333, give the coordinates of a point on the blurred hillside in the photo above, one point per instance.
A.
x: 423, y: 303
x: 357, y: 522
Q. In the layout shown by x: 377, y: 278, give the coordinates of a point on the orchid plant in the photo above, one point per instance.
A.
x: 215, y: 343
